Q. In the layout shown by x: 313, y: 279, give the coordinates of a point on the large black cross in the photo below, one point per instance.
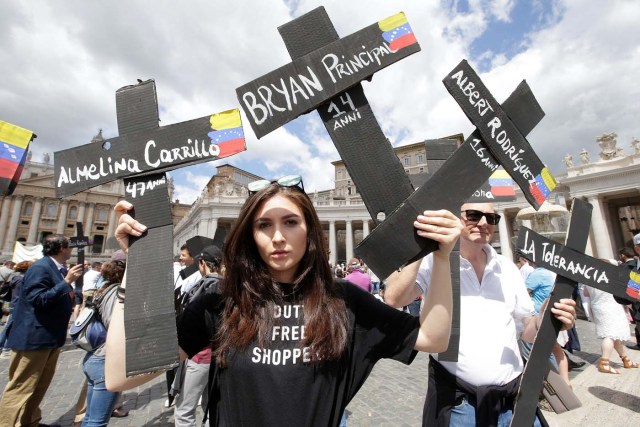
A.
x: 499, y: 139
x: 325, y: 75
x: 141, y: 154
x: 572, y: 266
x: 79, y: 241
x: 456, y: 181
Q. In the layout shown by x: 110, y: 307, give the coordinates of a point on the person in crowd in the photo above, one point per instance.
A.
x: 523, y: 265
x: 15, y: 285
x: 612, y: 327
x: 493, y: 300
x: 290, y: 342
x: 356, y: 276
x: 100, y: 401
x: 39, y: 330
x: 633, y: 264
x: 181, y: 286
x: 90, y: 281
x: 539, y: 283
x: 375, y: 281
x: 195, y: 370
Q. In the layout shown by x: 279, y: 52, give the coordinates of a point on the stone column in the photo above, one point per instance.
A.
x: 13, y: 224
x: 333, y: 257
x: 4, y: 218
x: 89, y: 225
x: 349, y: 241
x: 505, y: 240
x: 365, y: 228
x: 212, y: 227
x: 111, y: 229
x: 35, y: 220
x: 80, y: 217
x: 62, y: 218
x: 600, y: 231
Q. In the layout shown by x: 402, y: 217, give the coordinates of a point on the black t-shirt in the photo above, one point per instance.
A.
x: 276, y: 385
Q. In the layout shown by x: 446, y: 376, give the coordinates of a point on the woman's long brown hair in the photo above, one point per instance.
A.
x: 250, y: 292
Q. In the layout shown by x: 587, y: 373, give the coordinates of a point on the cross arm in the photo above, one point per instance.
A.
x: 468, y: 168
x: 575, y: 265
x: 149, y: 151
x: 507, y: 143
x: 310, y: 80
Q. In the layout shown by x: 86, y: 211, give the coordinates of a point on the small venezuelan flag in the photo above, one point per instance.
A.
x: 633, y: 287
x: 227, y: 132
x: 501, y: 183
x: 397, y: 32
x: 14, y: 144
x: 543, y: 186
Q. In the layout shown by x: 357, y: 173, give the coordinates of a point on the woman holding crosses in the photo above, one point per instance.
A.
x: 289, y: 341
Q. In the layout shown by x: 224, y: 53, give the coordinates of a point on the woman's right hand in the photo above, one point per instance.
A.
x: 127, y: 225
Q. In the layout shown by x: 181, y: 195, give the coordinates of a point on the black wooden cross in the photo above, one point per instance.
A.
x: 572, y: 266
x: 452, y: 185
x: 79, y: 241
x: 325, y: 75
x: 141, y: 154
x: 498, y: 139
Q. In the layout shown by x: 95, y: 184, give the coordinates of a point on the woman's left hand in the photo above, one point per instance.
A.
x: 441, y: 226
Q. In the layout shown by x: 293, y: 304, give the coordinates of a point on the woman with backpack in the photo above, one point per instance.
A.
x: 291, y: 345
x: 100, y: 401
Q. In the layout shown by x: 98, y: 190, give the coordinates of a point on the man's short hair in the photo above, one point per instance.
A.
x: 96, y: 264
x: 54, y: 243
x: 185, y: 248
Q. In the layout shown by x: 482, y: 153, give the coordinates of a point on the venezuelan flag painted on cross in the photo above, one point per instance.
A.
x: 397, y: 32
x: 227, y: 132
x: 501, y: 183
x: 544, y: 185
x: 14, y: 144
x: 633, y: 287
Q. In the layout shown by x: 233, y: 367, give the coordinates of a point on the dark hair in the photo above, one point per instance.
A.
x: 251, y: 293
x: 185, y: 248
x: 22, y: 266
x: 628, y: 252
x: 113, y: 271
x: 54, y: 243
x: 95, y: 264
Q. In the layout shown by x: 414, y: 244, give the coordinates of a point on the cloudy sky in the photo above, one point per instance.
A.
x: 62, y: 61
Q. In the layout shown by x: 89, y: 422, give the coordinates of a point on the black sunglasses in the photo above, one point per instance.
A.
x: 285, y: 181
x: 473, y: 215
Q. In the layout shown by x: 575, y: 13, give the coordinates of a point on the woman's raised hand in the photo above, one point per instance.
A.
x: 441, y: 226
x: 127, y: 225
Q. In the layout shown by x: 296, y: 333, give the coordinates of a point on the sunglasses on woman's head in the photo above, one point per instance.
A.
x: 285, y: 181
x: 473, y: 215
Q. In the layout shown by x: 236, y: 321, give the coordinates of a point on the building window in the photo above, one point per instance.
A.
x: 52, y: 210
x: 421, y: 170
x: 421, y: 158
x: 73, y: 212
x: 102, y: 215
x: 339, y: 174
x: 28, y: 209
x: 407, y: 161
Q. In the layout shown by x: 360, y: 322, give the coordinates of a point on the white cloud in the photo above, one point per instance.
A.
x: 62, y: 66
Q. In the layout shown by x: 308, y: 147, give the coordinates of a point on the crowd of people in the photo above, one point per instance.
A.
x: 267, y: 323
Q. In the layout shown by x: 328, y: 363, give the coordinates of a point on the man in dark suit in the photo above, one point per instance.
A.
x: 41, y: 318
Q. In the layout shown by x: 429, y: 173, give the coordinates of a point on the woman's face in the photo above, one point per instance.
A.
x: 280, y: 232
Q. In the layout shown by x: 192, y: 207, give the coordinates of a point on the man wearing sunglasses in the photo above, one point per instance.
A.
x: 478, y: 389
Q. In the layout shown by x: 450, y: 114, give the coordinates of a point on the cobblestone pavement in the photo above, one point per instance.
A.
x: 392, y: 396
